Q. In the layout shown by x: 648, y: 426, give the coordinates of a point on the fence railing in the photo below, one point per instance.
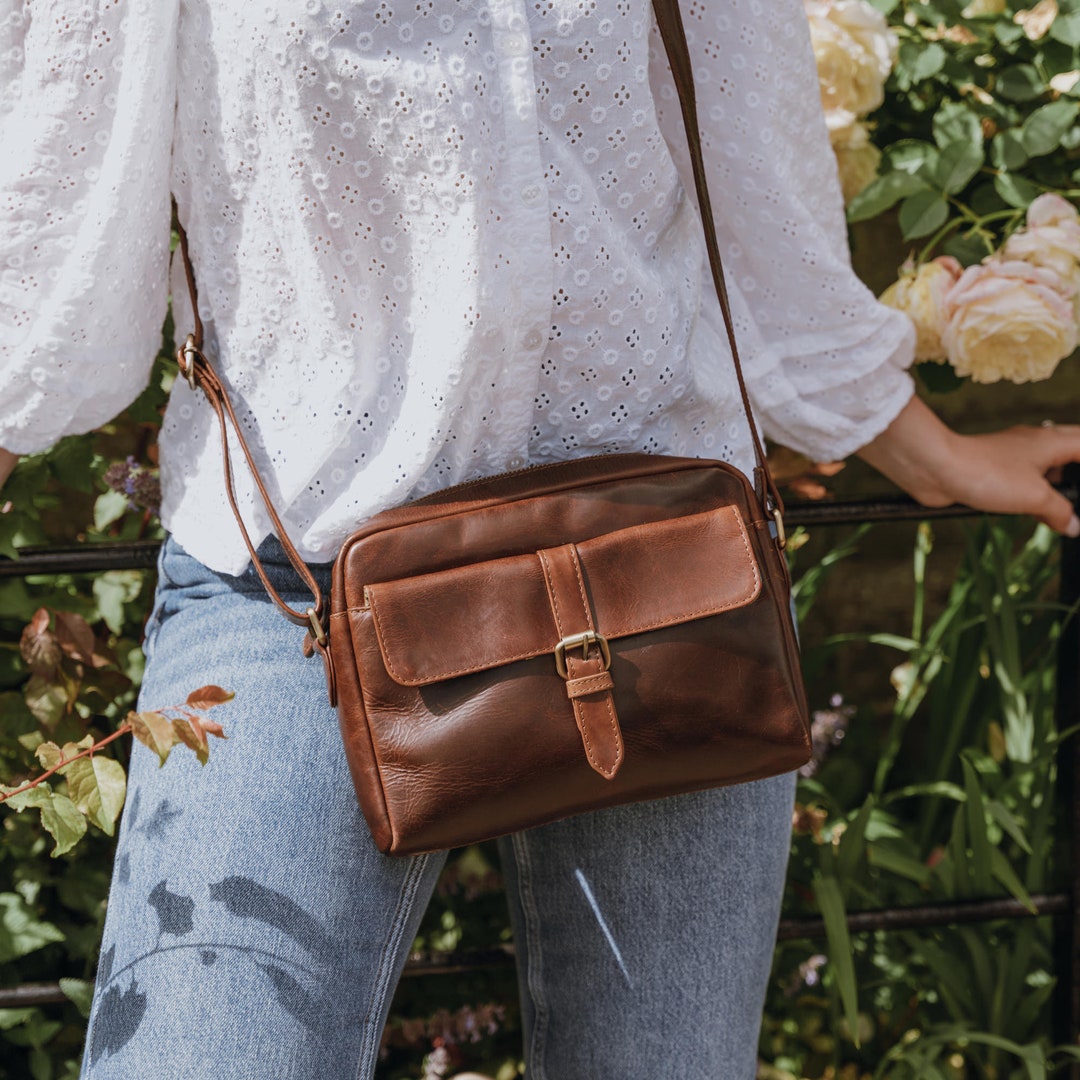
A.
x: 1063, y: 906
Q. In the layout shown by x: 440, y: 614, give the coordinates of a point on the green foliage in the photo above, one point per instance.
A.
x: 70, y: 664
x: 975, y: 125
x: 946, y: 795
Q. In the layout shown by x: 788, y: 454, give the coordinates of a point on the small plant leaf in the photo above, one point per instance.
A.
x: 156, y: 731
x: 883, y: 193
x: 206, y: 697
x: 975, y: 809
x: 830, y: 903
x: 959, y: 163
x: 97, y: 785
x: 922, y: 213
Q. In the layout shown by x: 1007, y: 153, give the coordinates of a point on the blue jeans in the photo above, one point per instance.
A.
x: 254, y: 932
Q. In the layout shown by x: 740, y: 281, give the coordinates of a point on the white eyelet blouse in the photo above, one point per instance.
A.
x: 434, y: 239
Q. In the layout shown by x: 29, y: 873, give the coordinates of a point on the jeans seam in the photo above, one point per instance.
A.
x: 381, y: 986
x: 534, y: 962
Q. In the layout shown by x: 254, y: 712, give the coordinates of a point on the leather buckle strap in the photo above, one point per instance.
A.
x: 589, y: 682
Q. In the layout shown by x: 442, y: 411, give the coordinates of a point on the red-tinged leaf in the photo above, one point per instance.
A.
x: 38, y: 646
x: 212, y: 727
x: 40, y: 622
x: 190, y: 732
x: 206, y: 697
x: 75, y: 636
x: 155, y: 731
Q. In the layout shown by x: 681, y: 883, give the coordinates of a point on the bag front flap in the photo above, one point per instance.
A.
x: 472, y: 618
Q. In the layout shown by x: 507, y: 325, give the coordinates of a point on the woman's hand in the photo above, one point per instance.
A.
x: 1004, y: 472
x: 8, y: 461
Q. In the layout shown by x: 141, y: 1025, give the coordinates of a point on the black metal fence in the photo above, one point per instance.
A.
x: 1063, y: 906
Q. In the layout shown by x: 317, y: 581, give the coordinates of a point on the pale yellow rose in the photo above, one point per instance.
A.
x: 855, y: 50
x: 857, y: 158
x: 1051, y: 240
x: 1008, y: 320
x: 920, y: 294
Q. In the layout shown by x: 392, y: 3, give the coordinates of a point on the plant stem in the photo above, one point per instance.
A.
x: 124, y: 729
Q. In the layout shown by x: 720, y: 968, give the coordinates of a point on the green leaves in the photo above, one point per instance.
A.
x: 882, y: 194
x: 918, y: 61
x: 1015, y: 190
x: 923, y: 213
x: 957, y: 122
x: 60, y: 817
x: 1021, y: 82
x: 21, y: 931
x: 1043, y: 131
x: 96, y: 784
x: 959, y: 163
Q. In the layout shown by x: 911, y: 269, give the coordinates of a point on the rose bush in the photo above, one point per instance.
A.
x: 977, y: 139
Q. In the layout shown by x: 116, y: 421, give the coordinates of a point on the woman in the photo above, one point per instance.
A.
x: 433, y: 240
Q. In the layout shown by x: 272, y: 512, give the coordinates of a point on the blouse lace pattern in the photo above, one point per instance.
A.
x: 434, y: 239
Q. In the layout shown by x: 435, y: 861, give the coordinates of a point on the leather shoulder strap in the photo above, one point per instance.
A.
x: 199, y: 374
x: 670, y: 24
x: 195, y: 367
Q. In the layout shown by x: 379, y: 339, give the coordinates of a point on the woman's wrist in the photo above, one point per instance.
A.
x: 1002, y: 472
x: 919, y: 453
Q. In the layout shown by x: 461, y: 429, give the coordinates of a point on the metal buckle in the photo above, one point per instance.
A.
x: 781, y: 532
x: 581, y: 641
x: 186, y: 358
x: 317, y: 629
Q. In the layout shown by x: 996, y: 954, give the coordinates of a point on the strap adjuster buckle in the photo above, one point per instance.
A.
x: 186, y: 356
x: 581, y: 641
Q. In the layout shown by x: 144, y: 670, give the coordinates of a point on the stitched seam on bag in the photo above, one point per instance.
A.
x: 617, y: 734
x: 583, y: 726
x: 580, y: 709
x: 581, y: 586
x: 687, y: 615
x: 552, y: 589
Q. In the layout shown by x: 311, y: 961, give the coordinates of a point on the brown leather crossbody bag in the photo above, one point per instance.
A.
x: 540, y: 643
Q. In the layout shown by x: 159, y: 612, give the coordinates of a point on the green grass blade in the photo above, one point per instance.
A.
x: 830, y: 901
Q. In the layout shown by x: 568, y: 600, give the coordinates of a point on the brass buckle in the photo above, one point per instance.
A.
x: 781, y: 532
x: 318, y: 631
x: 186, y: 356
x: 581, y: 641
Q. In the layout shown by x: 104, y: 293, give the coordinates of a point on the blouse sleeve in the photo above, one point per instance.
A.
x: 825, y: 362
x: 87, y: 96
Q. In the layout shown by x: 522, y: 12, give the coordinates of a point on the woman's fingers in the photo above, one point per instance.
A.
x: 1013, y: 470
x: 1058, y: 513
x: 1055, y: 446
